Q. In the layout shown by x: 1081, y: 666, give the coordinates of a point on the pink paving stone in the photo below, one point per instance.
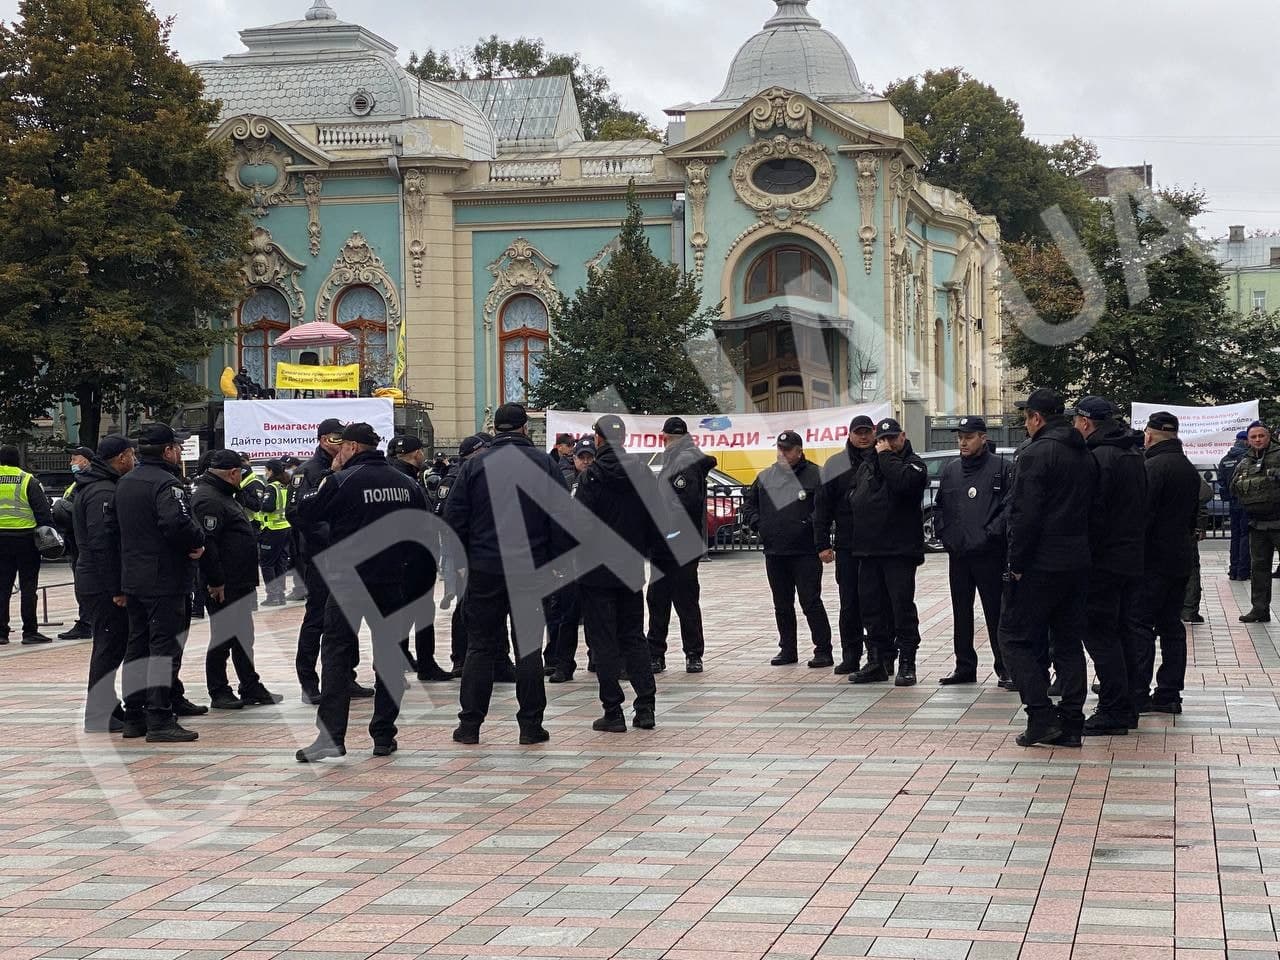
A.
x: 744, y: 804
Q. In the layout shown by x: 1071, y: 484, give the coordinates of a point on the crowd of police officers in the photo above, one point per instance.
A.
x: 1085, y: 540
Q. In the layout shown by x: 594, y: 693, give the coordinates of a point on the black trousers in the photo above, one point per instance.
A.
x: 273, y: 558
x: 1238, y: 566
x: 1156, y: 611
x: 789, y: 578
x: 563, y: 623
x: 980, y: 574
x: 157, y: 631
x: 852, y: 634
x: 488, y: 603
x: 678, y: 587
x: 458, y: 635
x: 314, y: 618
x: 110, y: 640
x: 424, y: 634
x: 887, y: 594
x: 1109, y: 599
x: 1033, y: 608
x: 614, y: 623
x: 231, y: 637
x: 1263, y: 545
x: 20, y: 561
x: 339, y: 654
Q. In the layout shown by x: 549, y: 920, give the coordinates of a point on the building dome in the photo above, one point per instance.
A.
x: 793, y: 51
x: 322, y: 70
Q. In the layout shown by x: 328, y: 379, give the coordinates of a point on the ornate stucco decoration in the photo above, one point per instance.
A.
x: 357, y: 264
x: 415, y: 209
x: 780, y: 109
x: 902, y: 179
x: 268, y: 265
x: 258, y: 168
x: 522, y: 268
x: 955, y: 305
x: 311, y: 187
x: 697, y: 192
x: 868, y: 185
x: 784, y: 208
x: 603, y: 254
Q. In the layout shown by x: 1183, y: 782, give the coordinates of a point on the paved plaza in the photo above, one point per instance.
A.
x: 774, y: 813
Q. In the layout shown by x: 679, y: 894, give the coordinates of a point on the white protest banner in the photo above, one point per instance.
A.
x: 744, y: 442
x: 270, y: 429
x: 191, y: 449
x: 1207, y: 433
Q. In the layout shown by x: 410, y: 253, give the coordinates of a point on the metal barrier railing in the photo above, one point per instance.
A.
x: 44, y: 589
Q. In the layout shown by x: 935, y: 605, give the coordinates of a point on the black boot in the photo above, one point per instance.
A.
x: 873, y: 672
x: 906, y: 671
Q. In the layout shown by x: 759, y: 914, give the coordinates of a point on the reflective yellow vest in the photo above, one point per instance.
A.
x: 275, y: 519
x: 15, y: 507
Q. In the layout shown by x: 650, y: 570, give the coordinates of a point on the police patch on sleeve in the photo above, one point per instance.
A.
x: 680, y: 483
x: 297, y: 480
x: 443, y: 492
x: 211, y: 524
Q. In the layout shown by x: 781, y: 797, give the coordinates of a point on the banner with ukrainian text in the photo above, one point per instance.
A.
x: 299, y: 376
x: 1207, y: 433
x: 745, y: 443
x: 270, y: 429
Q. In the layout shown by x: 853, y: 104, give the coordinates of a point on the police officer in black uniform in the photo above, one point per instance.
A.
x: 159, y: 538
x: 491, y: 595
x: 229, y: 573
x: 452, y: 568
x: 888, y: 539
x: 780, y: 506
x: 364, y: 490
x: 1048, y: 521
x: 968, y: 515
x: 312, y: 540
x: 1173, y: 504
x: 98, y: 579
x: 623, y: 495
x: 408, y: 455
x: 1117, y: 528
x: 562, y: 642
x: 833, y: 509
x: 684, y: 473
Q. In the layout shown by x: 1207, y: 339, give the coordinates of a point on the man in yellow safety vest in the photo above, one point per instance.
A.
x: 274, y: 534
x: 24, y: 506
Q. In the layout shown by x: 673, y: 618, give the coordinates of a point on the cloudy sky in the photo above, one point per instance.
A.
x: 1176, y: 83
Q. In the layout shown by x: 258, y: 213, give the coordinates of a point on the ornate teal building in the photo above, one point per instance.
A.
x: 439, y: 223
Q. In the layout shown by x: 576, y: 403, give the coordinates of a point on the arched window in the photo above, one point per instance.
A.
x: 788, y: 272
x: 362, y: 312
x: 526, y: 328
x: 264, y: 315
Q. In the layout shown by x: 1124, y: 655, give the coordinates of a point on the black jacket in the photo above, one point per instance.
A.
x: 98, y: 543
x: 684, y: 472
x: 420, y: 565
x: 1227, y: 469
x: 1118, y: 518
x: 833, y: 497
x: 312, y: 538
x: 1053, y: 491
x: 969, y: 510
x: 363, y: 492
x: 157, y: 531
x: 1173, y: 506
x: 623, y: 494
x: 565, y: 466
x: 780, y: 506
x: 476, y: 518
x: 885, y: 503
x: 231, y: 544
